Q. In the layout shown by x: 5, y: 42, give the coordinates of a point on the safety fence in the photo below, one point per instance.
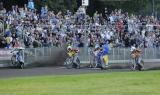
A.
x: 116, y: 55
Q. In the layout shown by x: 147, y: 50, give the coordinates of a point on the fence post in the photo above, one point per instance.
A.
x: 153, y: 53
x: 89, y: 54
x: 118, y: 53
x: 43, y: 51
x: 145, y: 53
x: 124, y: 55
x: 23, y: 56
x: 113, y: 53
x: 35, y: 51
x: 50, y: 48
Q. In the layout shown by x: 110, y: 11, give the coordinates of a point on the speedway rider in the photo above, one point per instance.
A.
x: 19, y: 56
x: 95, y: 52
x: 136, y: 55
x: 73, y: 53
x: 103, y: 55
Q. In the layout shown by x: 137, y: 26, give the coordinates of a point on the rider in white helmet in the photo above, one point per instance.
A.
x: 69, y: 48
x: 73, y: 53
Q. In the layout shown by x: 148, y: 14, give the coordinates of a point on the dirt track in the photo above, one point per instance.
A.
x: 57, y: 58
x: 42, y: 71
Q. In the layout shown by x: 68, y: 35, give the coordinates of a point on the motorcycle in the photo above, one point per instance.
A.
x: 137, y: 63
x: 72, y: 62
x: 16, y: 59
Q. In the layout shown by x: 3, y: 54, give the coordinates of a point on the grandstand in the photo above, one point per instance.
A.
x: 42, y: 33
x: 25, y: 27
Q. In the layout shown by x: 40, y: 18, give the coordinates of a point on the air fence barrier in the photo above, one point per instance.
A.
x: 116, y: 55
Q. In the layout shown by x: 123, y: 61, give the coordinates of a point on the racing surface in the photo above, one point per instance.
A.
x: 40, y: 71
x: 60, y: 70
x: 54, y: 66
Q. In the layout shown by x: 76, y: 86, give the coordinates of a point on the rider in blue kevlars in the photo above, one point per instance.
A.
x: 103, y: 55
x: 105, y: 49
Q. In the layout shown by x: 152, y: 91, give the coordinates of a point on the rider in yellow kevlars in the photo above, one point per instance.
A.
x: 73, y: 53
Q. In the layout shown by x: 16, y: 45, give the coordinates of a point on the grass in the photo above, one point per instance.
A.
x: 126, y: 83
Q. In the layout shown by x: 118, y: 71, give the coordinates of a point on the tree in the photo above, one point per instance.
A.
x: 52, y: 4
x: 131, y: 6
x: 60, y: 4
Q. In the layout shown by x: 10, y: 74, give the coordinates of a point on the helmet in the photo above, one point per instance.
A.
x: 69, y: 48
x: 97, y: 46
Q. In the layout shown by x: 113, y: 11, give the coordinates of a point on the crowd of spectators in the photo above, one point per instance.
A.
x: 26, y: 27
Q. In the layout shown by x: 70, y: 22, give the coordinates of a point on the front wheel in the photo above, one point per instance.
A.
x: 13, y: 60
x: 20, y: 65
x: 93, y: 64
x: 68, y: 63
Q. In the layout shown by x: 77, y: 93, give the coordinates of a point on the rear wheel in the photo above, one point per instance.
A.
x: 132, y: 65
x: 22, y: 65
x: 78, y: 63
x: 140, y: 65
x: 103, y: 65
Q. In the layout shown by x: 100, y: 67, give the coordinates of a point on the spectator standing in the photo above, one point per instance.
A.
x: 31, y: 4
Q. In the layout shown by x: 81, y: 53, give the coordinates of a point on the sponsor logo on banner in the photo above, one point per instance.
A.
x: 5, y: 54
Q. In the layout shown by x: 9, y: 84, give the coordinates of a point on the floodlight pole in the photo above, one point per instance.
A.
x: 3, y: 25
x: 85, y: 4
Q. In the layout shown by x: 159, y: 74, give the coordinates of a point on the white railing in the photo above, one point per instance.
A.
x: 116, y: 55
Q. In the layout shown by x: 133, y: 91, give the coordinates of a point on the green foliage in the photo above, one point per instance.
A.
x: 131, y: 6
x: 135, y: 6
x: 57, y: 5
x: 52, y: 4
